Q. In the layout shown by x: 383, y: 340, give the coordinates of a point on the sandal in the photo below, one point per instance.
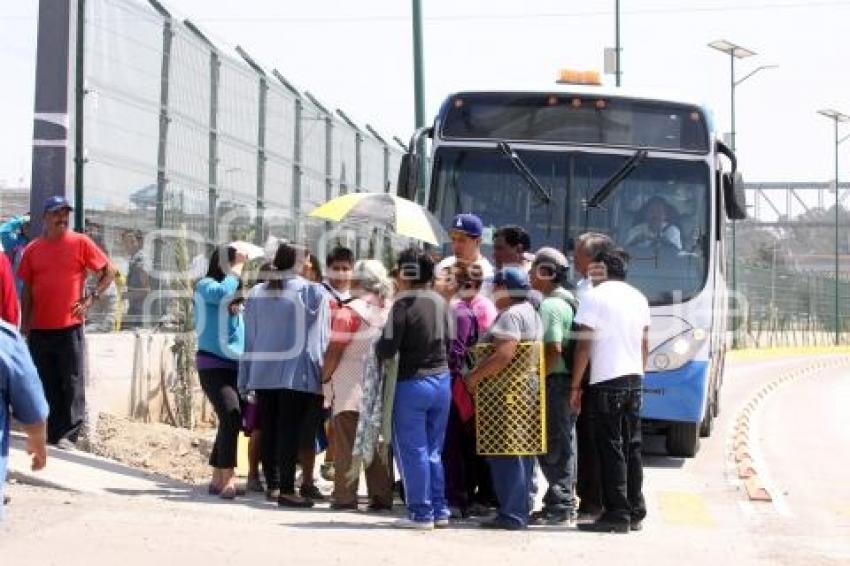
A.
x: 229, y: 492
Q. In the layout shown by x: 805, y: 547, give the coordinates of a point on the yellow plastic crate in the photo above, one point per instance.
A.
x: 510, y: 408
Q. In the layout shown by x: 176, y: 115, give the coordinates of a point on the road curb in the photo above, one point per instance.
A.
x: 741, y: 449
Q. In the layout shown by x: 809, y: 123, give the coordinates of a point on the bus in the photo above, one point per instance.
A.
x: 650, y: 172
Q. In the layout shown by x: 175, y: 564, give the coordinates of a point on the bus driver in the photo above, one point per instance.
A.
x: 656, y: 227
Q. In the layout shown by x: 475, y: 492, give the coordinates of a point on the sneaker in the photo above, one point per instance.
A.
x: 601, y: 526
x: 272, y: 494
x: 327, y: 471
x: 229, y: 492
x: 65, y: 444
x: 413, y: 525
x: 441, y: 523
x: 311, y: 492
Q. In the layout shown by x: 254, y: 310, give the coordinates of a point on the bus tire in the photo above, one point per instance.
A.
x: 715, y: 404
x: 707, y: 424
x: 683, y: 439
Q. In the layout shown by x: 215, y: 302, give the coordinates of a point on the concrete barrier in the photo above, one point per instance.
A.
x: 131, y: 375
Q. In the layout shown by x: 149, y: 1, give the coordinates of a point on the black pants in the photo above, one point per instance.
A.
x: 588, y: 485
x: 615, y: 413
x: 59, y: 357
x: 559, y: 463
x: 467, y: 474
x: 284, y: 413
x: 219, y: 386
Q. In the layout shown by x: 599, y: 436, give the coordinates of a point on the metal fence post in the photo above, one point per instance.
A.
x: 212, y: 183
x: 162, y: 146
x: 358, y: 161
x: 329, y: 161
x: 263, y: 87
x: 297, y: 168
x: 259, y: 237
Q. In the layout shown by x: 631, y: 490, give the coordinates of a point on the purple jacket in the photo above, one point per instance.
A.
x: 465, y: 336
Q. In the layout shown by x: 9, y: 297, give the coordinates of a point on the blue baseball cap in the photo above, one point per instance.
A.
x: 514, y: 278
x: 469, y: 224
x: 56, y: 203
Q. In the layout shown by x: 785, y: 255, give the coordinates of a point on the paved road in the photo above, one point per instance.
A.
x: 697, y: 515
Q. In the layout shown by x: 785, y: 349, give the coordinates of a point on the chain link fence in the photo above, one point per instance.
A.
x: 791, y: 308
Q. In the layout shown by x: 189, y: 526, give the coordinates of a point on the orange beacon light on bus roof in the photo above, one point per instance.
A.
x: 573, y: 77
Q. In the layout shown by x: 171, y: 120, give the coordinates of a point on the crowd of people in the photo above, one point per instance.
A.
x: 375, y: 368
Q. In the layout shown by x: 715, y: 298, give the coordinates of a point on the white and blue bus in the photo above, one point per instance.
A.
x: 649, y: 172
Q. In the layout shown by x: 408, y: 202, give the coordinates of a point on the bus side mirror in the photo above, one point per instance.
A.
x: 406, y: 187
x: 734, y: 196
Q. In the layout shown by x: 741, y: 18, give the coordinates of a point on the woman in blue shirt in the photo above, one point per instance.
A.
x: 221, y: 340
x: 287, y: 330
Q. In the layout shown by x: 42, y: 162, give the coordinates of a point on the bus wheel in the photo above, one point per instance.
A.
x: 707, y: 424
x: 715, y: 405
x: 683, y: 439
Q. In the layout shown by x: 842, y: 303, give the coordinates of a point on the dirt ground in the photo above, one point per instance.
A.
x: 161, y: 449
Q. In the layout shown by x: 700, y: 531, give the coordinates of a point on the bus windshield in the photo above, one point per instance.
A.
x: 659, y: 214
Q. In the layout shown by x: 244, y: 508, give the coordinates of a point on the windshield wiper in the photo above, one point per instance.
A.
x: 524, y: 171
x: 627, y: 169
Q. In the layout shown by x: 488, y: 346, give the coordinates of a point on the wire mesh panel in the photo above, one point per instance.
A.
x: 173, y: 148
x: 510, y: 408
x: 372, y: 158
x: 344, y: 158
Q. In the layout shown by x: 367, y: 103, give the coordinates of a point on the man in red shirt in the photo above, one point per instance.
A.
x: 54, y: 269
x: 8, y: 296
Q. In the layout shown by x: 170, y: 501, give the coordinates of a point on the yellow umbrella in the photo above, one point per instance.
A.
x: 402, y: 216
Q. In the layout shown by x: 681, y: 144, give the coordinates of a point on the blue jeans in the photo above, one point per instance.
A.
x: 559, y: 463
x: 512, y: 482
x: 420, y: 415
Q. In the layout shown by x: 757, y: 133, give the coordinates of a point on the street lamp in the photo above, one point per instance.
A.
x: 735, y: 51
x: 836, y: 117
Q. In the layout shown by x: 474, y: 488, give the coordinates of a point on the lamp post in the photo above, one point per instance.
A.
x: 836, y: 118
x: 419, y: 95
x: 618, y: 70
x: 735, y: 51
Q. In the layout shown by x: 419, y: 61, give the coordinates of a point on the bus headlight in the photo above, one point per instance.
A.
x: 677, y: 351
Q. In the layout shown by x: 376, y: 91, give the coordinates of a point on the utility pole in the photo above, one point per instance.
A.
x: 617, y: 48
x: 419, y: 98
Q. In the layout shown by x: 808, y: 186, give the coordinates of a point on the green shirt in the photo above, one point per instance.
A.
x: 557, y: 316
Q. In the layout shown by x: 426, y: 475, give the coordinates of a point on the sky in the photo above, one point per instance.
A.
x: 358, y: 56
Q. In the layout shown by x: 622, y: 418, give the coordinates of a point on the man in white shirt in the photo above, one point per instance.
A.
x: 588, y: 488
x: 613, y: 320
x: 466, y: 231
